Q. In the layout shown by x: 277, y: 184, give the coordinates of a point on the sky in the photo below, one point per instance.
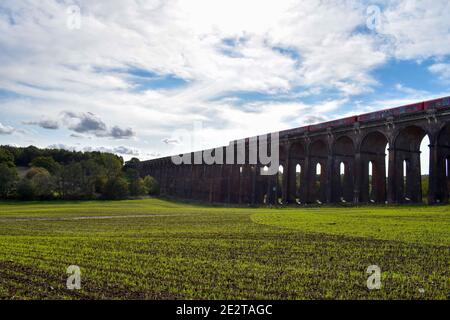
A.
x: 153, y: 78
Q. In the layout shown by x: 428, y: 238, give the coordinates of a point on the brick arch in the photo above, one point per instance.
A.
x: 343, y: 184
x: 410, y: 137
x: 444, y: 134
x: 373, y: 141
x: 406, y: 151
x: 318, y: 148
x: 440, y: 187
x: 318, y: 155
x: 372, y: 150
x: 297, y: 150
x: 283, y: 153
x: 296, y: 189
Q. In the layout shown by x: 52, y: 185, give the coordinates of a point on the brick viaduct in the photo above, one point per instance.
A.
x: 344, y: 149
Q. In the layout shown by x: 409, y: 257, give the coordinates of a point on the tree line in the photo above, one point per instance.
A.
x: 44, y: 174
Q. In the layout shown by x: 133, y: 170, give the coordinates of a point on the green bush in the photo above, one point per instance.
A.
x: 8, y: 178
x: 152, y: 185
x: 47, y: 163
x: 137, y: 187
x: 116, y: 188
x: 6, y: 157
x: 26, y: 189
x: 136, y: 183
x: 43, y: 185
x: 34, y: 171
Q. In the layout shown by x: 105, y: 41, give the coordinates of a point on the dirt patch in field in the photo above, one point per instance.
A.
x: 93, y: 217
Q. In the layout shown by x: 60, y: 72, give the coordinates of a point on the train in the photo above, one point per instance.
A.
x: 394, y: 112
x: 294, y: 132
x: 334, y: 123
x: 437, y: 104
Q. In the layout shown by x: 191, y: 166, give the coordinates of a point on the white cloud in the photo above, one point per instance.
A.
x: 184, y: 39
x: 121, y: 150
x: 62, y: 146
x: 442, y: 70
x: 44, y: 123
x: 216, y: 47
x: 416, y: 29
x: 6, y: 130
x: 89, y: 123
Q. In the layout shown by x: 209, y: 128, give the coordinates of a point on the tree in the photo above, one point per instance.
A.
x: 71, y: 181
x: 133, y: 163
x: 27, y: 155
x: 72, y: 175
x: 137, y: 187
x: 6, y: 157
x: 8, y: 177
x: 47, y: 163
x: 43, y: 185
x: 34, y: 171
x: 25, y: 189
x: 14, y: 151
x: 94, y: 178
x: 116, y: 188
x: 112, y: 164
x: 136, y: 184
x: 100, y: 184
x: 152, y: 185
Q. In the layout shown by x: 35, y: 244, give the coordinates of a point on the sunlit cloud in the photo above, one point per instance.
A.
x: 140, y: 70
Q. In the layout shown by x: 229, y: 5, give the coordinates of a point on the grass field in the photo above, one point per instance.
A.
x: 154, y: 249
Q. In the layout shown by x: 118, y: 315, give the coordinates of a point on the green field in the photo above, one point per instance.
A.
x: 154, y: 249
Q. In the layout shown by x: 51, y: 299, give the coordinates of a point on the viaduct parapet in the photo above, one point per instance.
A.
x: 351, y: 154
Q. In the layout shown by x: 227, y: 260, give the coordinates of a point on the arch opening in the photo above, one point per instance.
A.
x: 298, y: 182
x: 263, y: 186
x: 447, y: 176
x: 280, y: 183
x: 343, y: 177
x: 446, y: 167
x: 318, y: 172
x: 405, y: 168
x: 374, y: 158
x: 442, y: 184
x: 412, y: 162
x: 371, y: 182
x: 425, y: 168
x: 318, y: 184
x: 297, y: 156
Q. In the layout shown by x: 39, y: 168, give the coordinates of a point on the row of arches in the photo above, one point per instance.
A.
x: 366, y: 175
x: 380, y: 166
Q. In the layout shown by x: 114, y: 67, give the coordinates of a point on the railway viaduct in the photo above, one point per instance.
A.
x: 351, y: 154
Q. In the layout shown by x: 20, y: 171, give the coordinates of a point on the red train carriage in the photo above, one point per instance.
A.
x: 332, y: 124
x: 442, y: 103
x: 383, y: 114
x: 293, y: 132
x: 411, y: 108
